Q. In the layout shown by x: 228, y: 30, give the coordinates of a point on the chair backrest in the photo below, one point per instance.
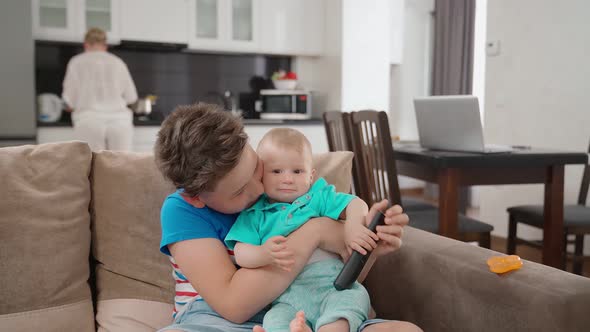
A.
x: 373, y: 148
x: 337, y: 125
x: 585, y: 183
x: 337, y: 131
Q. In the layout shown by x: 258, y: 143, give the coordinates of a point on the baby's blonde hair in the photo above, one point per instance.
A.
x: 95, y: 36
x: 287, y: 138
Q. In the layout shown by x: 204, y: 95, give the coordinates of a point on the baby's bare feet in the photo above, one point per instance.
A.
x: 298, y: 323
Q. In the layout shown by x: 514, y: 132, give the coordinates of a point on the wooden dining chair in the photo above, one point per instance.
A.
x: 338, y: 131
x: 372, y: 146
x: 336, y: 124
x: 576, y: 222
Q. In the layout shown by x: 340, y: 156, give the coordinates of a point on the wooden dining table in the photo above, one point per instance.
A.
x: 523, y: 165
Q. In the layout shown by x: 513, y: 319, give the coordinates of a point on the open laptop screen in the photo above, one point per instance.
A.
x: 451, y: 123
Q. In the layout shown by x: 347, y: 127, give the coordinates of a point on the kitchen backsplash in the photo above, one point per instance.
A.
x: 175, y: 77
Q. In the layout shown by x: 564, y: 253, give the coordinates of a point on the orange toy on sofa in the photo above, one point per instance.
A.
x: 503, y: 264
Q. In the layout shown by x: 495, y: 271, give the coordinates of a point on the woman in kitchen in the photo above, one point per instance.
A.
x: 97, y: 89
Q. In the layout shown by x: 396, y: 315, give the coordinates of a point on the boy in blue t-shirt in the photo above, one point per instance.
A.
x: 205, y: 153
x: 290, y: 200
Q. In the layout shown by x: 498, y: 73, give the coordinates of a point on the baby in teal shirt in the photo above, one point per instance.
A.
x: 291, y: 198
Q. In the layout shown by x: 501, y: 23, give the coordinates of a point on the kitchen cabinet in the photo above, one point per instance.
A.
x: 158, y: 21
x: 292, y: 27
x: 68, y: 20
x: 55, y: 134
x: 55, y: 20
x: 223, y: 25
x: 103, y: 14
x: 144, y: 137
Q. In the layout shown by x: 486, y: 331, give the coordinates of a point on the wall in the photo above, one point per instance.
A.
x: 365, y: 54
x: 412, y: 77
x: 353, y: 73
x: 536, y: 92
x: 356, y: 73
x: 17, y: 94
x: 323, y: 75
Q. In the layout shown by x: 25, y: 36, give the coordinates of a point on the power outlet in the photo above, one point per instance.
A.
x: 493, y: 48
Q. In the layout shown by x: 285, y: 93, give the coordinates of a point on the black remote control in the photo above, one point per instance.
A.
x: 351, y: 270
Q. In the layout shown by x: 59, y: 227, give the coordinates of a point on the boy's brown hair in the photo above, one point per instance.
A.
x: 198, y: 145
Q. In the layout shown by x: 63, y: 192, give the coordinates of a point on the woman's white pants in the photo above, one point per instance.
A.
x: 104, y: 130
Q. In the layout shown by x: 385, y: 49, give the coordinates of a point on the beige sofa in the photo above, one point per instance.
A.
x: 79, y: 235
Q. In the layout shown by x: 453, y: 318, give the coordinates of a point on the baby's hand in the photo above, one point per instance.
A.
x: 359, y: 238
x: 279, y: 253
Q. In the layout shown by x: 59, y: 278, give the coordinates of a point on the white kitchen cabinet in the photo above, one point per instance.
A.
x: 292, y: 27
x: 223, y: 25
x: 68, y: 20
x: 144, y: 137
x: 103, y: 14
x: 55, y: 134
x: 159, y: 21
x: 313, y: 14
x: 55, y: 20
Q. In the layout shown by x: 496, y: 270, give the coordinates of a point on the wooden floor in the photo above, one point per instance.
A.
x: 532, y: 254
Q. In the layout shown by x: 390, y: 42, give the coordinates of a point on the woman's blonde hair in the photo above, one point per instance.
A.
x: 95, y: 36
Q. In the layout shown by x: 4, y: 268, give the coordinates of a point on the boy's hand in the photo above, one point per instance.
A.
x: 389, y: 234
x: 279, y: 253
x: 359, y: 238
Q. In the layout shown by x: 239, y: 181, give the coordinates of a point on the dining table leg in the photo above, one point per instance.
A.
x: 448, y: 200
x: 553, y: 241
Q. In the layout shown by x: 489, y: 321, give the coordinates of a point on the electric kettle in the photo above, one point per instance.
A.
x: 50, y: 107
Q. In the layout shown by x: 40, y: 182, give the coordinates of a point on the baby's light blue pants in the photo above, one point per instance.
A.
x: 314, y: 293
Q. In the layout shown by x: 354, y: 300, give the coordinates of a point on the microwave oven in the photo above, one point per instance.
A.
x: 285, y: 105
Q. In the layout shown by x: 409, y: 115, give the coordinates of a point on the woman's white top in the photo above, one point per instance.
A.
x: 98, y: 81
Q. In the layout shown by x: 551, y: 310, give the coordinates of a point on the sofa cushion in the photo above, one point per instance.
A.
x: 336, y: 168
x: 45, y: 238
x: 127, y: 194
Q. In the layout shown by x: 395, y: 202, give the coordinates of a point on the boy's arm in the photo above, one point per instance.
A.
x: 238, y: 295
x: 273, y: 251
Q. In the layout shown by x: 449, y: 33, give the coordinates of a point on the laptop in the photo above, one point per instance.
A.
x: 452, y: 123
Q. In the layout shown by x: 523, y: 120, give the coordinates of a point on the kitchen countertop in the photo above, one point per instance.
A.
x: 157, y: 123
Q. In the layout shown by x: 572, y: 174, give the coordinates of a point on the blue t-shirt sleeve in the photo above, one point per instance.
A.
x: 334, y: 202
x: 180, y: 222
x: 246, y: 229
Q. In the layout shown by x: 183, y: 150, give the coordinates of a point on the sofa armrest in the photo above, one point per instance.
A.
x: 445, y: 285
